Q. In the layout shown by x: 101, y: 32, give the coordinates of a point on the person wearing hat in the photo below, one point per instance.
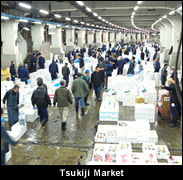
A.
x: 74, y: 71
x: 164, y: 74
x: 12, y: 98
x: 173, y: 73
x: 87, y: 80
x: 24, y: 73
x: 174, y: 102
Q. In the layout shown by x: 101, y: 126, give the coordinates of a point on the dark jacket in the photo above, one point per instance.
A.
x: 157, y: 66
x: 41, y: 62
x: 12, y: 69
x: 23, y: 73
x: 131, y: 67
x: 173, y: 93
x: 62, y: 97
x: 41, y: 98
x: 65, y: 71
x: 142, y: 55
x: 163, y: 73
x: 53, y: 68
x: 81, y: 62
x: 97, y: 78
x: 8, y: 94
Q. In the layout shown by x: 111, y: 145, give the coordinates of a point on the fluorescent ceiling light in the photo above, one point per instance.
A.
x: 160, y: 19
x: 139, y: 2
x: 97, y: 26
x: 133, y: 13
x: 92, y: 25
x: 58, y: 16
x: 23, y: 20
x: 82, y: 23
x: 88, y: 9
x: 180, y: 8
x: 37, y: 22
x: 87, y: 24
x: 132, y: 17
x: 80, y: 3
x: 43, y: 11
x: 68, y: 19
x: 172, y: 12
x: 24, y: 5
x: 95, y: 14
x: 165, y: 16
x: 135, y: 8
x: 99, y: 17
x: 76, y: 21
x: 58, y: 25
x: 4, y: 17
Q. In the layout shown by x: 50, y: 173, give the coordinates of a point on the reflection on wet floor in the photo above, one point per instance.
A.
x: 53, y: 146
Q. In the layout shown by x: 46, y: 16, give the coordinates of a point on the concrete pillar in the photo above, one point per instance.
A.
x: 147, y: 37
x: 143, y: 37
x: 134, y: 37
x: 37, y: 33
x: 122, y: 36
x: 128, y: 37
x: 69, y: 39
x: 10, y: 48
x: 118, y: 37
x: 105, y: 37
x: 112, y: 37
x: 138, y: 37
x: 81, y: 38
x: 98, y: 38
x: 56, y: 42
x: 90, y: 37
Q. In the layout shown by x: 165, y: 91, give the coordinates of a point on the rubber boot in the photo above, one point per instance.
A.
x: 83, y: 111
x: 77, y: 108
x: 63, y: 125
x: 98, y: 97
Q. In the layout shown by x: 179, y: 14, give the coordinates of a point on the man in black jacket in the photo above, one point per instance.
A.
x: 97, y: 80
x: 41, y: 99
x: 65, y: 73
x: 12, y: 70
x: 81, y: 63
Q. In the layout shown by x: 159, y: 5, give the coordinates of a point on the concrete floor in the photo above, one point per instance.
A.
x: 73, y: 146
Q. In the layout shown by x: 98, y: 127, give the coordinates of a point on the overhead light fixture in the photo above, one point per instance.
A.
x: 180, y: 8
x: 37, y: 22
x: 165, y: 16
x: 82, y: 22
x: 43, y: 11
x: 133, y: 13
x: 99, y: 17
x: 139, y: 2
x: 160, y: 19
x: 95, y: 14
x: 67, y: 18
x: 80, y: 3
x: 24, y: 5
x: 57, y: 15
x: 27, y: 29
x: 172, y: 12
x: 92, y: 25
x: 97, y: 26
x: 135, y: 8
x: 76, y: 21
x: 4, y: 17
x: 58, y: 25
x: 88, y: 9
x: 132, y: 17
x: 87, y: 24
x: 23, y: 20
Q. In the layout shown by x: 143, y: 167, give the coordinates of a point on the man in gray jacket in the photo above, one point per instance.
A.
x: 63, y: 98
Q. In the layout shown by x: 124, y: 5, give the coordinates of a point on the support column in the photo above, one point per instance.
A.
x: 148, y: 37
x: 105, y: 37
x: 37, y: 33
x: 56, y: 42
x: 128, y: 37
x: 10, y: 48
x: 118, y: 37
x: 112, y: 37
x: 138, y: 37
x: 98, y: 38
x: 81, y: 38
x: 143, y: 37
x: 134, y: 37
x: 90, y: 38
x: 122, y: 36
x: 69, y: 39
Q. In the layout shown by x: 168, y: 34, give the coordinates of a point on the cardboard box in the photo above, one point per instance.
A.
x: 140, y: 99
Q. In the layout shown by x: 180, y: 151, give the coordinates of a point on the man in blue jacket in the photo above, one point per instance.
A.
x: 41, y: 62
x: 157, y: 65
x: 120, y: 64
x: 24, y: 73
x: 12, y: 70
x: 132, y: 66
x: 53, y: 69
x: 164, y: 74
x: 69, y: 56
x: 34, y: 63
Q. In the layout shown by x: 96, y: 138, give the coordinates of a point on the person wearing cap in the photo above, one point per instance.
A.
x: 53, y: 69
x: 173, y: 73
x: 87, y: 80
x: 12, y: 98
x: 174, y: 102
x: 24, y: 73
x: 74, y: 71
x: 41, y: 99
x: 164, y: 74
x: 63, y: 98
x: 41, y: 62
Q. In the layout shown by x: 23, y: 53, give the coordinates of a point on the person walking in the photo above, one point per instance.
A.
x: 157, y: 65
x: 164, y: 74
x: 53, y: 69
x: 5, y: 141
x: 41, y: 99
x: 132, y: 66
x: 65, y: 73
x: 79, y: 90
x: 63, y: 98
x: 74, y: 71
x: 44, y: 85
x: 109, y: 71
x: 81, y: 63
x: 12, y: 71
x: 97, y: 80
x: 12, y: 98
x: 87, y: 80
x: 24, y: 73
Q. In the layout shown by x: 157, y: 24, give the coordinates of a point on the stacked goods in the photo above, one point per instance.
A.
x: 148, y: 147
x: 109, y: 110
x: 100, y: 137
x: 5, y: 74
x: 145, y: 111
x: 111, y: 153
x: 162, y: 152
x: 153, y: 136
x: 129, y: 98
x: 30, y: 114
x: 150, y: 96
x: 150, y: 157
x: 175, y: 160
x: 137, y: 158
x: 112, y: 136
x: 157, y: 79
x: 6, y: 86
x: 99, y: 153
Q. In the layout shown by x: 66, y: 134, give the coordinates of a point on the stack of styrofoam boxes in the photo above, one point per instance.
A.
x: 112, y: 135
x: 162, y: 152
x: 109, y: 110
x: 175, y: 160
x: 157, y: 79
x: 145, y: 111
x: 150, y: 96
x: 5, y: 86
x: 30, y: 114
x: 137, y: 158
x: 99, y: 153
x: 129, y: 98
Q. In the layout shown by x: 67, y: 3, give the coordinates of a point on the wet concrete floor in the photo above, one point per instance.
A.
x: 73, y: 146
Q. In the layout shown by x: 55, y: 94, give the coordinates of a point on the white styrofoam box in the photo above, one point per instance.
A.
x: 127, y: 136
x: 162, y: 152
x: 124, y: 157
x: 160, y: 93
x: 112, y: 135
x: 104, y: 128
x: 6, y: 86
x: 127, y: 125
x: 142, y: 125
x: 150, y: 157
x: 125, y: 146
x: 175, y: 160
x: 99, y: 153
x: 142, y: 137
x: 17, y: 131
x: 8, y: 155
x: 100, y: 137
x: 111, y: 153
x: 153, y: 136
x: 148, y: 147
x: 137, y: 158
x: 30, y: 115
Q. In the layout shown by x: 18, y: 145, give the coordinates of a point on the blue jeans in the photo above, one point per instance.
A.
x: 43, y: 113
x: 77, y: 99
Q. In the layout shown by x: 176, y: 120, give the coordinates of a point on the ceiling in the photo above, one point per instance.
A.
x: 116, y: 12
